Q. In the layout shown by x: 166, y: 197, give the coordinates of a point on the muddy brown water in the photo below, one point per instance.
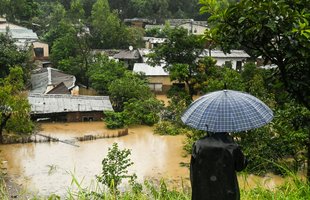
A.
x: 46, y: 168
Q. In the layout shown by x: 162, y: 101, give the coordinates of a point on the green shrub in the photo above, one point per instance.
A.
x: 144, y: 112
x: 114, y: 120
x: 115, y: 167
x: 166, y: 128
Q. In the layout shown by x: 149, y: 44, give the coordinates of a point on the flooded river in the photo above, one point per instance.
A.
x: 46, y: 167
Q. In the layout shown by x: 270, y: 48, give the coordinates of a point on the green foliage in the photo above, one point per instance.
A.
x: 131, y: 86
x: 276, y: 30
x: 136, y: 112
x: 166, y: 128
x: 294, y: 188
x: 14, y: 106
x: 283, y: 141
x: 103, y: 71
x: 11, y: 56
x: 135, y: 37
x: 181, y: 52
x: 19, y: 10
x: 114, y: 120
x: 107, y: 29
x: 144, y: 112
x: 115, y: 167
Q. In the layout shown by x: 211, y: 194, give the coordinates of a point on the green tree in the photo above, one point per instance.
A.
x: 115, y: 168
x: 57, y: 26
x: 135, y: 36
x: 142, y: 112
x: 70, y: 51
x: 152, y: 9
x: 19, y: 10
x: 131, y: 86
x: 278, y: 31
x: 14, y: 106
x: 104, y: 71
x: 180, y: 53
x: 11, y: 56
x: 106, y: 27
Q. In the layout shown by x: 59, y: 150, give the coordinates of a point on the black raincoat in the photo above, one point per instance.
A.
x: 214, y: 162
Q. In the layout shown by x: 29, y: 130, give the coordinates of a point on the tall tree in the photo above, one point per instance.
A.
x: 19, y: 10
x: 180, y: 54
x: 104, y: 71
x: 278, y: 31
x: 11, y: 56
x: 106, y: 28
x: 14, y: 106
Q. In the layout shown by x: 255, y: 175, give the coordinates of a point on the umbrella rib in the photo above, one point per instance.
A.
x: 258, y: 112
x: 212, y: 117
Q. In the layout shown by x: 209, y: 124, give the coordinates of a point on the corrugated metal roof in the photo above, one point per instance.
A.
x: 221, y: 54
x: 18, y: 32
x: 57, y: 103
x: 155, y: 40
x: 40, y: 79
x: 149, y: 70
x: 127, y: 54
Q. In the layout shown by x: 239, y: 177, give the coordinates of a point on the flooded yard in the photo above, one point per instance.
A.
x: 46, y: 167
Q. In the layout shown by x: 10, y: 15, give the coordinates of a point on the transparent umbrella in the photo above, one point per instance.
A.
x: 227, y: 111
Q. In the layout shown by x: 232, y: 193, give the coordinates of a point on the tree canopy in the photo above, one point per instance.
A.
x: 11, y: 56
x: 180, y: 55
x: 14, y: 106
x: 278, y: 31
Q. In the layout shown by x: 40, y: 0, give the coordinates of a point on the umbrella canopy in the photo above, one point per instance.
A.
x: 227, y: 111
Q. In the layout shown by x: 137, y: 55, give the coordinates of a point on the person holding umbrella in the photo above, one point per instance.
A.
x: 214, y: 162
x: 216, y: 157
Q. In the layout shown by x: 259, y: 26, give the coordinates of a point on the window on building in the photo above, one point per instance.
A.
x: 228, y: 64
x: 239, y: 66
x: 39, y: 52
x: 157, y: 87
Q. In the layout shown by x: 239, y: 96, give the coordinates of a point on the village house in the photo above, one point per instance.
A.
x: 235, y: 59
x: 52, y: 81
x: 66, y: 107
x: 158, y: 79
x: 151, y: 42
x: 139, y: 22
x: 25, y: 38
x: 129, y: 57
x: 192, y: 26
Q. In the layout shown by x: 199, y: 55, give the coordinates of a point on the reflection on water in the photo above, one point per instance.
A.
x: 46, y: 167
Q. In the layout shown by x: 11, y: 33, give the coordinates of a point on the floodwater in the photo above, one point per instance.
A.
x: 46, y: 168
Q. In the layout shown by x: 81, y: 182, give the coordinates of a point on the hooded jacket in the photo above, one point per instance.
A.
x: 214, y: 162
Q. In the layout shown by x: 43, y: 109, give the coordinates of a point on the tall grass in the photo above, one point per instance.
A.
x: 3, y: 191
x: 294, y: 188
x: 147, y: 190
